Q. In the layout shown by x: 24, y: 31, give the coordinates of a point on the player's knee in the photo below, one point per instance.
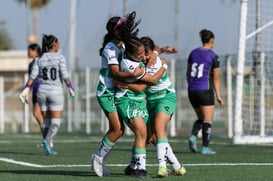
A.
x: 37, y: 115
x: 117, y: 132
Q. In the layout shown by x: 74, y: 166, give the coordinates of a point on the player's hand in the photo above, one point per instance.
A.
x: 138, y: 71
x: 220, y: 101
x: 23, y: 96
x: 168, y: 50
x: 71, y: 91
x: 151, y: 59
x: 163, y: 60
x: 119, y: 84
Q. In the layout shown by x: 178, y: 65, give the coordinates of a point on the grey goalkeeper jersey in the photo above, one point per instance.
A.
x: 51, y: 71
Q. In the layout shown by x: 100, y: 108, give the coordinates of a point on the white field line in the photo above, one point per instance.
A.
x: 7, y: 160
x: 123, y: 139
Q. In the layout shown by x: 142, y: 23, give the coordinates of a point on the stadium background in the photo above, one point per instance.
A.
x: 15, y: 112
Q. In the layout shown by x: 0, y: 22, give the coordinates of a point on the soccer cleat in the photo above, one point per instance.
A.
x: 105, y: 171
x: 136, y: 173
x: 207, y: 151
x: 53, y: 152
x: 162, y: 171
x: 180, y: 171
x: 141, y: 174
x: 192, y: 143
x: 46, y: 147
x: 129, y: 171
x: 97, y: 165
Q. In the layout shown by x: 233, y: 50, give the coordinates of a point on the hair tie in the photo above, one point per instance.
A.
x: 121, y: 20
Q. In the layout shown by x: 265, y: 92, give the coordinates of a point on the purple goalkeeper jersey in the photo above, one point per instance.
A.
x: 36, y: 83
x: 202, y: 62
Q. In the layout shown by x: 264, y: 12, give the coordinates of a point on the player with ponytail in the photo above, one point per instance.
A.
x: 51, y: 71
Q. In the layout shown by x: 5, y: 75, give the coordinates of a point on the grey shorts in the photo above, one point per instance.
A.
x: 50, y: 101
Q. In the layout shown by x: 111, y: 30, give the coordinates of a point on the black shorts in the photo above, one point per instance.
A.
x: 201, y: 98
x: 34, y: 98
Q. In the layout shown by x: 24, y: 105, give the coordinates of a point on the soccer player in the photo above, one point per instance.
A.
x: 203, y: 79
x: 161, y: 104
x: 111, y: 54
x: 51, y: 71
x: 131, y: 105
x: 34, y: 51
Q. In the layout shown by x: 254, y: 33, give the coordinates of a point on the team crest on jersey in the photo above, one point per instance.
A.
x: 113, y: 105
x: 112, y: 57
x: 131, y: 67
x: 135, y: 112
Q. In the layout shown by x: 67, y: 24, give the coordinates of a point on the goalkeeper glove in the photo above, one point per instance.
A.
x: 71, y: 91
x: 23, y: 96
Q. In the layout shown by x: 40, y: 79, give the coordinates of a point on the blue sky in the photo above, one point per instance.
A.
x: 157, y: 21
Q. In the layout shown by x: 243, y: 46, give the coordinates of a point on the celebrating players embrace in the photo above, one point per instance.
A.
x: 133, y: 90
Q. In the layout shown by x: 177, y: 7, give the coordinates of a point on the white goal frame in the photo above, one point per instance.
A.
x: 239, y: 137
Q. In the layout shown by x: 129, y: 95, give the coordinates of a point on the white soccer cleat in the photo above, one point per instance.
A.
x: 97, y: 165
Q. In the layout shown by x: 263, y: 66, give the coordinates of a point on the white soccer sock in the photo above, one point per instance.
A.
x: 139, y: 162
x: 132, y: 162
x: 161, y: 149
x: 53, y: 129
x: 172, y: 158
x: 138, y: 159
x: 105, y: 147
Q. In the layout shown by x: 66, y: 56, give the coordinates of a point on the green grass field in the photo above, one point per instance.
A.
x: 21, y: 159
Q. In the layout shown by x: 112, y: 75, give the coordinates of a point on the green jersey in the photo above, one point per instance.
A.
x: 164, y: 85
x: 111, y: 55
x: 128, y: 65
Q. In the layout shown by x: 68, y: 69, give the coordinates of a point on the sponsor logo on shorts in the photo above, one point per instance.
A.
x: 167, y: 108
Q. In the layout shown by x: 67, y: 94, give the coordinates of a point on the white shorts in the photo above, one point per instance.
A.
x: 50, y: 101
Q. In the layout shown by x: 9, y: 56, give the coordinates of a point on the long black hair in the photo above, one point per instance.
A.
x: 118, y: 27
x: 48, y: 42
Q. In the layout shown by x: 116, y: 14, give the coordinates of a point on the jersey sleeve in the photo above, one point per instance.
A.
x: 30, y: 65
x: 63, y: 68
x: 215, y: 62
x: 189, y: 58
x: 34, y: 70
x: 111, y: 56
x: 128, y: 66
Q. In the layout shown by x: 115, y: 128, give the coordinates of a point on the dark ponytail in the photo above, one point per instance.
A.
x: 110, y: 27
x: 119, y: 28
x: 129, y: 27
x: 47, y: 42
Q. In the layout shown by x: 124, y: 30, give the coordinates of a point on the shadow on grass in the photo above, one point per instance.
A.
x: 18, y: 153
x: 57, y: 172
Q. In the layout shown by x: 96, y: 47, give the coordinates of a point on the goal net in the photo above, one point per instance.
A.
x: 253, y: 121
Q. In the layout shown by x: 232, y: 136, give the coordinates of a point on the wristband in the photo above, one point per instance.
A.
x: 155, y: 52
x: 69, y: 85
x: 165, y: 66
x: 27, y: 85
